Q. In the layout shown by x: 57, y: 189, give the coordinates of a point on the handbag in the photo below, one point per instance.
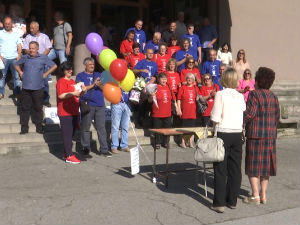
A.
x: 209, y: 149
x: 201, y: 104
x: 174, y: 113
x: 84, y: 105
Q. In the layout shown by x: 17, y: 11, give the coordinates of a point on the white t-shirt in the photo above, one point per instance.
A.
x: 225, y: 58
x: 227, y: 111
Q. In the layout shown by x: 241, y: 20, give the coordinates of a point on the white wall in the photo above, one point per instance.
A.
x: 268, y: 30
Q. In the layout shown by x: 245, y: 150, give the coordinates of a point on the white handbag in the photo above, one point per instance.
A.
x: 209, y: 149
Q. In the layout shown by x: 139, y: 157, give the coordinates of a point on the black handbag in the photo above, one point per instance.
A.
x: 174, y: 113
x: 201, y: 104
x: 84, y: 105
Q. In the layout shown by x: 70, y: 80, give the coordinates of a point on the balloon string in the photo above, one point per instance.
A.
x: 136, y: 138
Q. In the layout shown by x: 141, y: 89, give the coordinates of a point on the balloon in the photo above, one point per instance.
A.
x: 106, y: 77
x: 104, y: 47
x: 112, y: 92
x: 94, y: 43
x: 118, y: 69
x: 106, y: 57
x: 128, y: 81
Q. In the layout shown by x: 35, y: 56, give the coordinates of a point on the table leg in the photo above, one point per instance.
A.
x: 167, y: 162
x: 154, y: 162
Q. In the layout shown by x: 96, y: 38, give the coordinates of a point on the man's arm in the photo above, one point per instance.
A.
x: 69, y: 42
x: 46, y: 52
x: 51, y: 70
x: 19, y: 51
x: 18, y: 69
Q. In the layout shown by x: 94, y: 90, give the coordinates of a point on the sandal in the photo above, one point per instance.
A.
x: 182, y: 145
x: 252, y: 200
x: 262, y: 200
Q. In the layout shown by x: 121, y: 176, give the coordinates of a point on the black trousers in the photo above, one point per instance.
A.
x: 31, y: 99
x: 68, y: 125
x: 164, y: 122
x: 227, y: 174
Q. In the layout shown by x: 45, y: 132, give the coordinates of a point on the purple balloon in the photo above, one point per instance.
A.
x: 94, y: 43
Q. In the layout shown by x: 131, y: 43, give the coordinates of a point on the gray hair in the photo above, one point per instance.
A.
x: 88, y: 59
x: 35, y: 23
x: 190, y: 74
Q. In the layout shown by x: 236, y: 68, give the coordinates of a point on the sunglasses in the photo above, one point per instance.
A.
x: 248, y: 73
x: 242, y: 53
x: 191, y: 61
x: 207, y: 78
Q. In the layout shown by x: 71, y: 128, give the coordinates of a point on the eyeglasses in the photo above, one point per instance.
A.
x: 191, y: 61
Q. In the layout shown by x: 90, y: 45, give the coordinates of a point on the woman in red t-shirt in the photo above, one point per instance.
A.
x: 190, y: 68
x: 162, y: 105
x: 126, y: 45
x: 173, y: 46
x: 67, y: 96
x: 161, y: 58
x: 136, y: 55
x: 208, y: 91
x: 173, y: 80
x: 186, y: 102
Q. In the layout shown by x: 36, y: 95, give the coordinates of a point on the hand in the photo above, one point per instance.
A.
x: 98, y: 82
x: 179, y: 113
x: 83, y: 88
x: 187, y: 55
x: 45, y: 75
x: 209, y: 45
x: 199, y: 59
x: 212, y: 94
x: 3, y: 60
x: 246, y: 89
x: 76, y: 93
x: 68, y: 50
x: 145, y: 71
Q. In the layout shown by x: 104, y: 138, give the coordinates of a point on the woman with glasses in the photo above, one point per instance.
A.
x: 246, y: 84
x: 241, y: 63
x: 208, y: 91
x: 186, y: 103
x: 190, y: 68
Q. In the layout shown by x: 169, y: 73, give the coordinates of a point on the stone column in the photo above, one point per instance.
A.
x: 81, y: 27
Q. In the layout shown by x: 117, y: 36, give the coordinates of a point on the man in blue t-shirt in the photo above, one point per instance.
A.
x: 208, y: 36
x: 195, y: 44
x: 146, y: 67
x: 184, y: 53
x: 154, y: 43
x: 212, y: 65
x: 217, y: 79
x: 95, y: 99
x: 140, y: 36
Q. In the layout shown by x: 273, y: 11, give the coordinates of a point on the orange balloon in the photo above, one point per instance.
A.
x: 112, y: 92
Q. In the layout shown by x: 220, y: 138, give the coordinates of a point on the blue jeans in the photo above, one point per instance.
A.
x: 58, y: 53
x: 10, y: 63
x: 120, y: 116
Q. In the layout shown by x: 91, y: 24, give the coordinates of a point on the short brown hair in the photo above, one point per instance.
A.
x: 264, y: 77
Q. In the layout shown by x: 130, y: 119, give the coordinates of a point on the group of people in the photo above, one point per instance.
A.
x: 182, y: 75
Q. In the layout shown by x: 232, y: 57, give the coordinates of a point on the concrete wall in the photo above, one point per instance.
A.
x: 268, y: 30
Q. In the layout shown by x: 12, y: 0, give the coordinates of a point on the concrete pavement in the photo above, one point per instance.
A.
x: 42, y: 189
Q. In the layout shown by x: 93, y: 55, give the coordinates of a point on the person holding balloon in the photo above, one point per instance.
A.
x: 95, y: 99
x: 120, y: 117
x: 126, y: 46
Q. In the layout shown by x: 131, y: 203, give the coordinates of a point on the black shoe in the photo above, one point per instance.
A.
x: 23, y: 132
x: 106, y: 154
x: 40, y: 129
x: 47, y: 104
x: 86, y: 151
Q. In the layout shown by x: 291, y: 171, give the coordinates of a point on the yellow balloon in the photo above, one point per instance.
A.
x: 106, y: 57
x: 128, y: 82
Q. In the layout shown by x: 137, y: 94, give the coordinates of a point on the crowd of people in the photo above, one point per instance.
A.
x: 183, y: 67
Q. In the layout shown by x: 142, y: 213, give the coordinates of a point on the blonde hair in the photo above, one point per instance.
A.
x: 169, y: 62
x: 230, y: 78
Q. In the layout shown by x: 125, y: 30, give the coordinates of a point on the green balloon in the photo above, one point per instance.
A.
x: 106, y: 57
